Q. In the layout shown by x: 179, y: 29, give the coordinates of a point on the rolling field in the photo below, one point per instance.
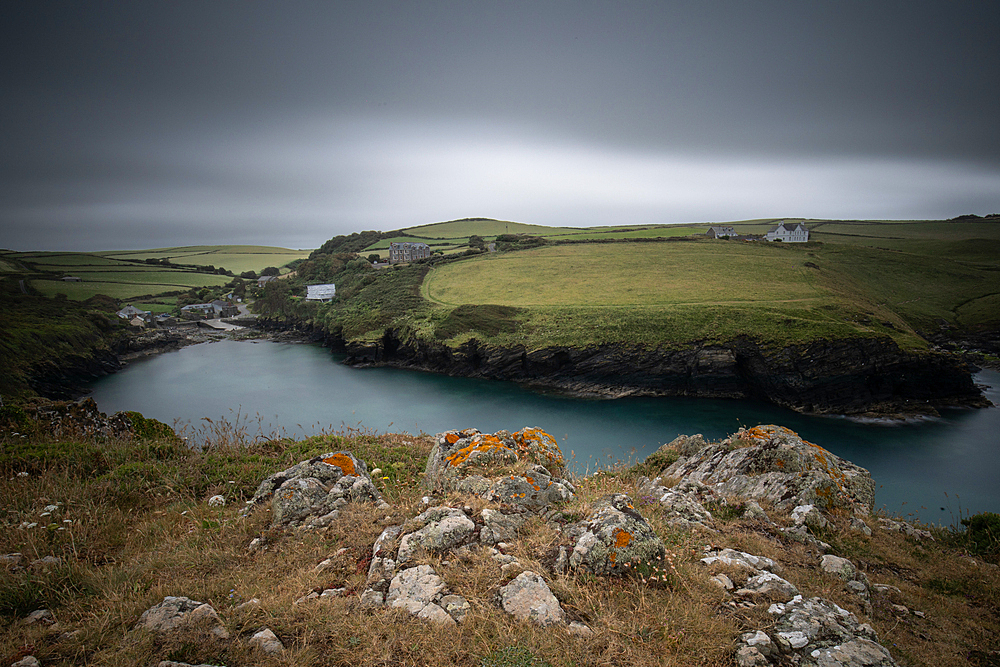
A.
x: 124, y: 275
x: 662, y: 293
x: 652, y: 274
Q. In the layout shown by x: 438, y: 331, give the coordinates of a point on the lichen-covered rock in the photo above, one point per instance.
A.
x: 768, y: 585
x: 528, y: 598
x: 682, y: 503
x: 522, y: 468
x: 741, y: 559
x: 614, y: 539
x: 773, y: 463
x: 311, y: 493
x: 176, y: 613
x: 417, y: 589
x: 813, y: 633
x: 905, y: 528
x: 442, y: 528
x: 499, y: 527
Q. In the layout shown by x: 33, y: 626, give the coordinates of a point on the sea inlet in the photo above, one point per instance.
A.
x: 937, y: 470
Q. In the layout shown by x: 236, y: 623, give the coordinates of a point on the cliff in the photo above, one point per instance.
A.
x: 850, y: 376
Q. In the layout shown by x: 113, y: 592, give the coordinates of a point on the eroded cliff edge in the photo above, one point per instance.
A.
x: 854, y: 377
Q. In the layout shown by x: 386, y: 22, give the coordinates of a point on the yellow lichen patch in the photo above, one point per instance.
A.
x: 530, y: 440
x: 343, y: 462
x: 484, y: 444
x: 622, y: 538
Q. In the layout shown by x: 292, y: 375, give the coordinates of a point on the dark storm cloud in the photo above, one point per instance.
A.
x: 162, y: 123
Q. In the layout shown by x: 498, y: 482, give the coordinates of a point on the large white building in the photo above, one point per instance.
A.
x: 788, y: 232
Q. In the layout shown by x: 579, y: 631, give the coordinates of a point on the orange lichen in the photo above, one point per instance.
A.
x: 532, y: 482
x: 343, y: 462
x: 622, y: 538
x: 485, y: 443
x: 451, y: 438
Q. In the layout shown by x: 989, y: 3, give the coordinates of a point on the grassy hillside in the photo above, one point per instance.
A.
x: 129, y: 521
x: 125, y: 275
x: 668, y: 286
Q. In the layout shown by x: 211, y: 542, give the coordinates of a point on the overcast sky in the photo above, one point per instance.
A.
x: 144, y: 124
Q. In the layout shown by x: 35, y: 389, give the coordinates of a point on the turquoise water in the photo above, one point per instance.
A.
x: 936, y: 469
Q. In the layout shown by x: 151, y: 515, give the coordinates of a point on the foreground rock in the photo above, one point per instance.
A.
x: 311, y: 493
x: 176, y: 614
x: 522, y: 468
x: 615, y: 539
x: 810, y: 633
x: 773, y: 464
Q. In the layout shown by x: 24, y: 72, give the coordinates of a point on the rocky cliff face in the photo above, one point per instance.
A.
x: 844, y: 376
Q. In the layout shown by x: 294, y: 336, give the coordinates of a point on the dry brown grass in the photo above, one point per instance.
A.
x: 131, y: 544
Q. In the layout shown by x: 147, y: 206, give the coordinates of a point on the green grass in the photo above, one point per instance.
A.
x: 130, y: 287
x: 120, y: 275
x: 628, y: 275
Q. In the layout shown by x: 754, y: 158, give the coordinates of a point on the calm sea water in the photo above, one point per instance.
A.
x: 936, y: 469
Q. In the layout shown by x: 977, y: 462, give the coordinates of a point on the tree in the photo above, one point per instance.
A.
x: 270, y: 271
x: 374, y: 257
x: 249, y: 275
x: 476, y: 241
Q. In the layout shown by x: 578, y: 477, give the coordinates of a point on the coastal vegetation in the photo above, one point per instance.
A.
x: 901, y: 281
x: 99, y: 528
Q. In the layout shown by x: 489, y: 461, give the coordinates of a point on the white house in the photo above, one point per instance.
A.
x: 321, y: 292
x: 788, y: 232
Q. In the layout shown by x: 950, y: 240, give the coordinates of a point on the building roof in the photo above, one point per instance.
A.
x: 323, y: 292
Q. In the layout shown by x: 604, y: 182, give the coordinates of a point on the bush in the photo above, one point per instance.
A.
x: 982, y: 534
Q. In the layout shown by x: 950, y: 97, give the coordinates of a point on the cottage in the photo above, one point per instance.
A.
x: 788, y: 232
x: 321, y: 292
x: 130, y: 312
x: 224, y: 308
x: 263, y: 280
x: 721, y: 232
x: 408, y: 251
x: 72, y: 279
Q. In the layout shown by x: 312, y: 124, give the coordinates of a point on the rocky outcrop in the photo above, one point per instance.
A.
x: 514, y: 469
x: 813, y: 633
x: 772, y: 463
x: 615, y: 539
x: 311, y: 494
x: 846, y: 376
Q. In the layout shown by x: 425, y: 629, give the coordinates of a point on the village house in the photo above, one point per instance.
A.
x: 130, y: 312
x: 72, y: 279
x: 721, y: 232
x: 408, y: 251
x: 323, y: 292
x: 214, y: 310
x: 263, y: 280
x: 788, y: 232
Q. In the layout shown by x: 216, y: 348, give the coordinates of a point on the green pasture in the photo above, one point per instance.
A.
x: 236, y: 258
x: 463, y: 229
x: 128, y: 288
x: 640, y: 274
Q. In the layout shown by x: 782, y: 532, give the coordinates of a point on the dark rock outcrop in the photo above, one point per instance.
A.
x: 849, y: 376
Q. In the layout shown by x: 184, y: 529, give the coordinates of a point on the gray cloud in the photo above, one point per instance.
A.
x: 129, y: 123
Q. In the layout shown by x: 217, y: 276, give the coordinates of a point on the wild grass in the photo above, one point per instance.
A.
x: 133, y: 525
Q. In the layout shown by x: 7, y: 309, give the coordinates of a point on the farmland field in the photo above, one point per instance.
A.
x: 125, y: 275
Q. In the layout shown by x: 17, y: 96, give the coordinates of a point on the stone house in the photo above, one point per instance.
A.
x: 719, y: 232
x: 408, y: 251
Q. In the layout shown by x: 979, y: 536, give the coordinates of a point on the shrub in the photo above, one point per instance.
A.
x: 982, y: 534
